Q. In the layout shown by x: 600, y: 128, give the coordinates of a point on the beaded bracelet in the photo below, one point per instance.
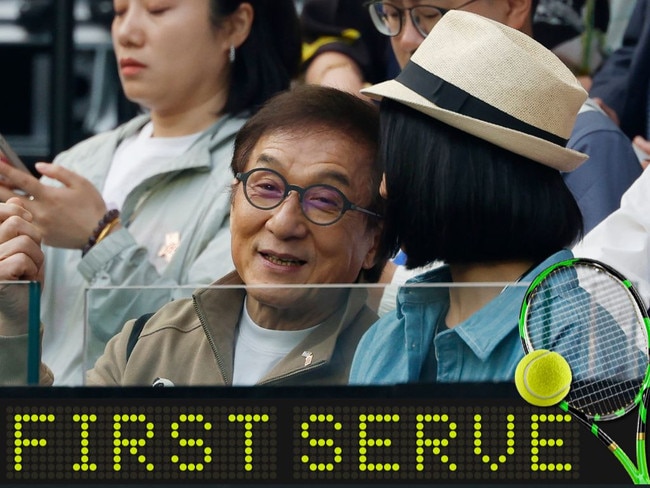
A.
x: 106, y: 223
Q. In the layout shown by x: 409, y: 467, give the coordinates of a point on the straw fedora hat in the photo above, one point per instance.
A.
x: 495, y: 83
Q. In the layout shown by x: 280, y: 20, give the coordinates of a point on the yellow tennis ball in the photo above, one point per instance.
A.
x: 543, y: 378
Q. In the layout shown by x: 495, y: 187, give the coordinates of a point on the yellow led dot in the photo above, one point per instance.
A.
x: 453, y: 467
x: 486, y: 458
x: 494, y: 467
x: 207, y: 459
x: 567, y: 467
x: 338, y: 459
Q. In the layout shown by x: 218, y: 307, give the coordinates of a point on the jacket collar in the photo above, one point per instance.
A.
x: 488, y: 327
x: 220, y: 317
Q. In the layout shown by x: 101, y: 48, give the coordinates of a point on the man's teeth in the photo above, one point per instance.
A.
x: 283, y: 262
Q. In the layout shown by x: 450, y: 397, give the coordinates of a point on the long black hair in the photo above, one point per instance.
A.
x: 457, y: 198
x: 269, y: 58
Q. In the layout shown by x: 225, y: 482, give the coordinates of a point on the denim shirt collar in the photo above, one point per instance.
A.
x: 485, y: 329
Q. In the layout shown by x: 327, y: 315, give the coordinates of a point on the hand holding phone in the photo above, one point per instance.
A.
x: 11, y: 156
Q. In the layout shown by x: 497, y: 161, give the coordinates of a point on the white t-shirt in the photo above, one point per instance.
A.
x: 138, y: 158
x: 258, y: 350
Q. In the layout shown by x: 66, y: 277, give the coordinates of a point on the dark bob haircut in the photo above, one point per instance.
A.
x: 312, y: 109
x: 269, y: 58
x: 457, y: 198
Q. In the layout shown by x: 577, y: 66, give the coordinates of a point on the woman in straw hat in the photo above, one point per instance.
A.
x: 473, y: 141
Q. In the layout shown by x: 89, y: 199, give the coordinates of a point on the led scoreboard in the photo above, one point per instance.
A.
x: 443, y: 434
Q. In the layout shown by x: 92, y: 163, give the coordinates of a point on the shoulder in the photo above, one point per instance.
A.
x: 178, y: 314
x: 104, y: 141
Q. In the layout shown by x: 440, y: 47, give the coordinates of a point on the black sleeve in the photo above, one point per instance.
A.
x: 344, y: 26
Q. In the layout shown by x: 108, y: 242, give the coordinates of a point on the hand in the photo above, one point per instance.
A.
x: 644, y: 145
x: 66, y: 215
x: 21, y: 256
x: 611, y: 113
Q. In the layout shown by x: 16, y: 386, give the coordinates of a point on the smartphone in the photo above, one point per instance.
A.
x: 11, y: 155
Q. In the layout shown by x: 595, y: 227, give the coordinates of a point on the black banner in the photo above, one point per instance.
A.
x: 424, y: 434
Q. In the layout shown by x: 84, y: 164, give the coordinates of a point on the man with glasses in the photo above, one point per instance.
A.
x: 305, y: 210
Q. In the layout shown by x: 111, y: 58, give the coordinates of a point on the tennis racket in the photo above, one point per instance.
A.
x: 591, y: 315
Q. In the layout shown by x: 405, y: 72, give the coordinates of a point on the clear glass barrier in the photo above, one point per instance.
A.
x: 19, y: 333
x: 109, y: 308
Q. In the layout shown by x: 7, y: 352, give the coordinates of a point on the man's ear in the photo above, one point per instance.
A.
x: 371, y: 256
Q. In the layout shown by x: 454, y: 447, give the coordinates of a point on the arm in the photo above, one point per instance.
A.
x: 341, y: 44
x: 612, y: 167
x: 21, y: 258
x: 622, y: 240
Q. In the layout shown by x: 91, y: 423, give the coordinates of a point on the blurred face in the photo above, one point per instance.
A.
x: 409, y: 39
x: 169, y: 54
x: 281, y: 246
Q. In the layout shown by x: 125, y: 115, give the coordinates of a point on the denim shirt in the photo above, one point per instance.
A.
x: 485, y: 347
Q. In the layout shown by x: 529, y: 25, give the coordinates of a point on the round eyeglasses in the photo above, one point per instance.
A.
x: 389, y: 19
x: 321, y: 204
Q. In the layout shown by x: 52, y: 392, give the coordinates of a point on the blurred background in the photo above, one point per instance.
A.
x: 59, y: 83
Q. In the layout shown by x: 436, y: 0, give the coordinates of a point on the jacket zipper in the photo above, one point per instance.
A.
x: 199, y: 313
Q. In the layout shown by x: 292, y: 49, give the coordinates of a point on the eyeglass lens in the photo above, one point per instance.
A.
x: 321, y: 204
x: 389, y: 19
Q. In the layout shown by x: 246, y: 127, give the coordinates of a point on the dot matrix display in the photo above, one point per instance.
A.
x: 434, y: 443
x: 284, y: 440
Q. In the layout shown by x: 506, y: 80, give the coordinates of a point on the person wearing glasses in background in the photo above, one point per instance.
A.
x: 305, y: 210
x: 597, y: 185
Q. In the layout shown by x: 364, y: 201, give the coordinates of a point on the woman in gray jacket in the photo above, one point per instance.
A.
x: 147, y: 203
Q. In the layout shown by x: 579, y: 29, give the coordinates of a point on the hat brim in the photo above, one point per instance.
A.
x: 532, y: 147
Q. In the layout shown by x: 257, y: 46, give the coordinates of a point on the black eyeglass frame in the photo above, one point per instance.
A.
x: 288, y: 188
x: 372, y: 10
